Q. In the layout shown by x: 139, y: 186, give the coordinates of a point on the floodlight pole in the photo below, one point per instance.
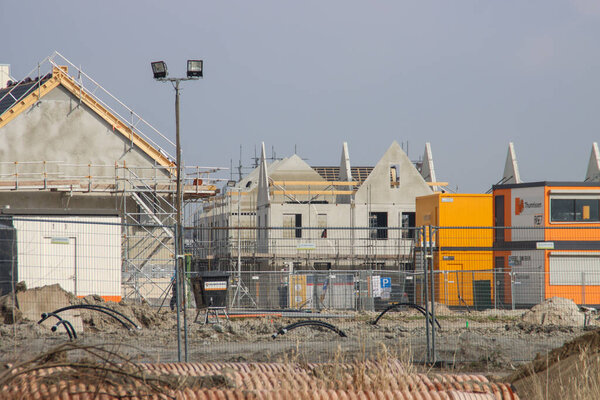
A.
x: 239, y: 255
x: 179, y: 249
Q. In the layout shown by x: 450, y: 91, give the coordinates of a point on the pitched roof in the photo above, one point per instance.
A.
x: 16, y: 99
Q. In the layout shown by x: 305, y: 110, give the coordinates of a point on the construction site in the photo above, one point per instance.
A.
x: 338, y: 281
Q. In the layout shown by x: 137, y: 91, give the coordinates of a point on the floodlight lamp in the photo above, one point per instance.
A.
x: 194, y: 68
x: 159, y: 69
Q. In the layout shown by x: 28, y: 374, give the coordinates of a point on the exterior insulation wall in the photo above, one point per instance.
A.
x: 61, y: 129
x: 82, y: 254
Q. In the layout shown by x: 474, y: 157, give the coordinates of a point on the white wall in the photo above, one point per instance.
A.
x: 82, y: 254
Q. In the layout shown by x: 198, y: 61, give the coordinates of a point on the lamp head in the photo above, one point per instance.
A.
x: 194, y: 68
x: 159, y: 69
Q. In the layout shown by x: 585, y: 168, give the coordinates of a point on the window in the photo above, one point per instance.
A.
x: 378, y: 222
x: 394, y: 176
x: 292, y: 221
x: 408, y: 224
x: 322, y: 224
x: 322, y: 266
x: 574, y: 210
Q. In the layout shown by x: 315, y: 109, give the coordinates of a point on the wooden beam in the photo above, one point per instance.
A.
x: 29, y: 100
x: 314, y: 183
x: 237, y: 193
x: 312, y: 192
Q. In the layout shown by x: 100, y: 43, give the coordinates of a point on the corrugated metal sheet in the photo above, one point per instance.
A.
x: 260, y: 381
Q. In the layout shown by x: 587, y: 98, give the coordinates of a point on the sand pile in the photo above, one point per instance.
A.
x: 554, y: 311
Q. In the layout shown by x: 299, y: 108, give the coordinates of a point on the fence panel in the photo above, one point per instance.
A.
x: 483, y: 287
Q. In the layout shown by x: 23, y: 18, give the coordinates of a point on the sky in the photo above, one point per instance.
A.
x: 467, y: 76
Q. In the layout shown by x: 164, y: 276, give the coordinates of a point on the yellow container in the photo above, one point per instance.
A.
x: 465, y: 259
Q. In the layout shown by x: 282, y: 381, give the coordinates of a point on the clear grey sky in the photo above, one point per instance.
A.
x: 467, y: 76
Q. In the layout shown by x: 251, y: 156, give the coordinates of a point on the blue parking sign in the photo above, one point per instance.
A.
x: 386, y: 282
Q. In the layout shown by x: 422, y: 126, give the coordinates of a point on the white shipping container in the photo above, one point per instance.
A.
x: 81, y: 253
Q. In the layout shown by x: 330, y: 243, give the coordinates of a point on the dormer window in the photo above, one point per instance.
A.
x: 394, y: 176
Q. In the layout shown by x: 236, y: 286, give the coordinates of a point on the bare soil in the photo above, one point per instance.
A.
x: 492, y: 340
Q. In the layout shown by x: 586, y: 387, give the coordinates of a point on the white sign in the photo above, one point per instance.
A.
x: 376, y: 285
x: 216, y: 285
x: 306, y: 246
x: 544, y: 245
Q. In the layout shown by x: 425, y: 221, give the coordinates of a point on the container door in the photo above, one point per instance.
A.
x: 59, y: 263
x: 499, y: 218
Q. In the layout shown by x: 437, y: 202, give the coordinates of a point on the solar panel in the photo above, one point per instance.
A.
x: 16, y: 93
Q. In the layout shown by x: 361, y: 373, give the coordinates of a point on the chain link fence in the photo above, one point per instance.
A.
x: 316, y: 294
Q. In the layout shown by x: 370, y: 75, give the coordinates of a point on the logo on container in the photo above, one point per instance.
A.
x: 519, y: 206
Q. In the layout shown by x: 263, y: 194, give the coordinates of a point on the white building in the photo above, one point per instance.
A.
x: 317, y: 217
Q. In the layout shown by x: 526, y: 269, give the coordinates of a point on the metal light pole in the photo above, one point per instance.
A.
x: 194, y: 72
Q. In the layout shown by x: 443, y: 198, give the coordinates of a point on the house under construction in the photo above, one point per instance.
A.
x: 290, y: 215
x: 85, y: 181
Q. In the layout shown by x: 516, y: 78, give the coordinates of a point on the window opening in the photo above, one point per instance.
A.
x: 378, y: 222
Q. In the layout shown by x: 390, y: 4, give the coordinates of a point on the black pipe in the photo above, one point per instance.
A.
x: 101, y: 309
x: 114, y: 311
x: 322, y: 324
x: 66, y: 324
x: 95, y: 306
x: 415, y: 306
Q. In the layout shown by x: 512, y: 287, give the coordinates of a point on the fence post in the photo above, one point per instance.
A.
x: 446, y: 299
x: 512, y: 288
x: 432, y: 318
x: 495, y: 283
x: 426, y: 285
x: 177, y: 293
x: 583, y: 288
x: 472, y: 290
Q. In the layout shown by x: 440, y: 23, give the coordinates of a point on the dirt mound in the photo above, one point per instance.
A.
x: 142, y: 315
x: 570, y: 370
x: 442, y: 309
x: 555, y: 311
x: 8, y: 313
x: 590, y: 343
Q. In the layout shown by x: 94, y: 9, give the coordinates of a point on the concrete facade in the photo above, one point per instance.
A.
x: 68, y: 136
x: 291, y: 204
